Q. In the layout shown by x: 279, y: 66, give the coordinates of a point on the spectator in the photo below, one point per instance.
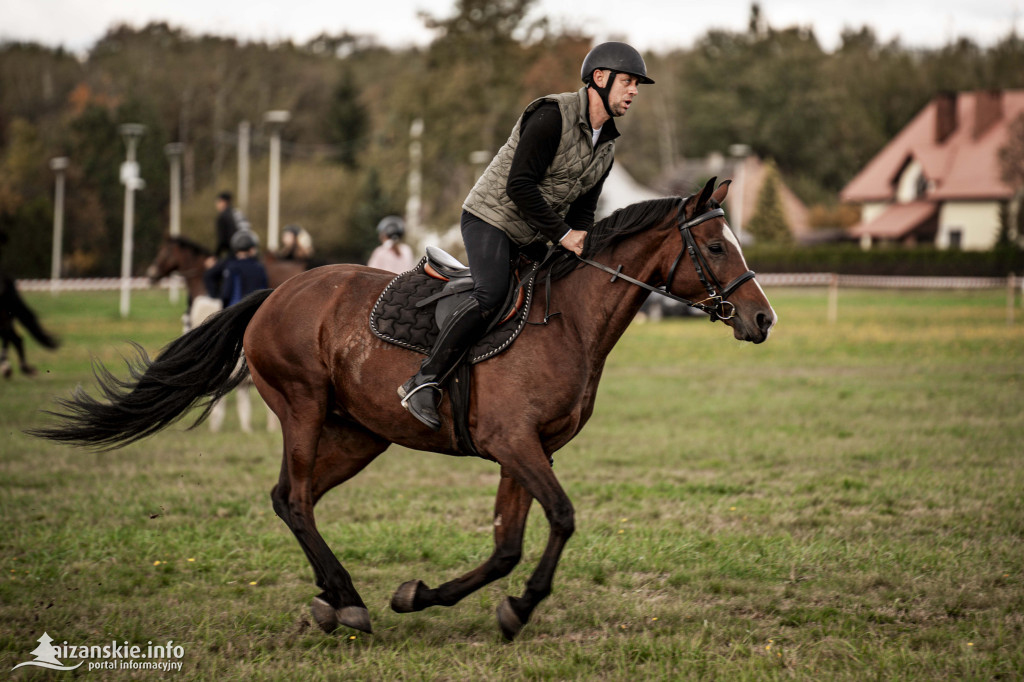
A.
x: 393, y: 254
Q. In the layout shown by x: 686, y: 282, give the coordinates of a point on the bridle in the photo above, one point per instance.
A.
x: 716, y: 305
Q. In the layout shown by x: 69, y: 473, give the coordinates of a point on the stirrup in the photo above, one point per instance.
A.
x: 406, y: 395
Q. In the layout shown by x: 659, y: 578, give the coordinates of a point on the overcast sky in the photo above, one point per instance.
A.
x: 649, y: 24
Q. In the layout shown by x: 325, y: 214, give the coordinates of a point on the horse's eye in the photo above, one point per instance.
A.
x: 716, y: 247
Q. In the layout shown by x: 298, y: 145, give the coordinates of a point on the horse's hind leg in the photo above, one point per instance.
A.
x: 510, y: 510
x: 341, y: 452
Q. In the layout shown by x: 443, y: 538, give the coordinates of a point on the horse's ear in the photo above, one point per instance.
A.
x: 723, y: 189
x: 705, y: 193
x: 697, y: 202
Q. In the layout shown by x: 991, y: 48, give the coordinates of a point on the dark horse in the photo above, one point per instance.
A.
x: 12, y: 308
x: 189, y: 259
x: 313, y: 357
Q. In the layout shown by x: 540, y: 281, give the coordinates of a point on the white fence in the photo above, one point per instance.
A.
x: 1011, y: 283
x: 825, y: 279
x: 832, y: 281
x: 88, y: 284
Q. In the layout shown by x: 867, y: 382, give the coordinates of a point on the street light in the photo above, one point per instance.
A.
x: 413, y: 232
x: 174, y: 151
x: 275, y: 120
x: 132, y: 133
x: 58, y: 165
x: 244, y: 133
x: 740, y: 152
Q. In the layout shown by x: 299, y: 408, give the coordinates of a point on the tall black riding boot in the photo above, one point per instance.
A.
x: 421, y: 393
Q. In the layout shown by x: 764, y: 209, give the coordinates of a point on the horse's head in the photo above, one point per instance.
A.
x: 709, y: 268
x: 177, y: 254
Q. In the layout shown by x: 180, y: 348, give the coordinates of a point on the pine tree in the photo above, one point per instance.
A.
x: 347, y: 121
x: 768, y: 224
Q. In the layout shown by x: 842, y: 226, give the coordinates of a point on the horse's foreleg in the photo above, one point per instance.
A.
x: 19, y: 348
x: 535, y: 475
x: 510, y: 510
x: 296, y: 493
x: 5, y: 365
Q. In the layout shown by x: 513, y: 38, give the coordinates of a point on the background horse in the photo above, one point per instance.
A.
x: 313, y: 357
x: 12, y: 308
x: 188, y: 258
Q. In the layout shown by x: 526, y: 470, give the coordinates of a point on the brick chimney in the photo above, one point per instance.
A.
x: 945, y: 116
x: 988, y: 109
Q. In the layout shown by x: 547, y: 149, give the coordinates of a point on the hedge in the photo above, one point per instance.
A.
x: 850, y: 259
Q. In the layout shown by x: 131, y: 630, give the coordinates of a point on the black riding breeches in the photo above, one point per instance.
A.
x: 490, y: 254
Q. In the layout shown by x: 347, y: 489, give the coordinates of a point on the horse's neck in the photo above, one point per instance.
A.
x: 192, y: 266
x: 599, y: 310
x: 195, y: 285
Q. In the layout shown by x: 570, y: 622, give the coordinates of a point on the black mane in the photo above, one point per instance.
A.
x: 619, y: 225
x: 628, y: 221
x: 187, y: 243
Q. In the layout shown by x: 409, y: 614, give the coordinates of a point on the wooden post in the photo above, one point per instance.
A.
x: 1011, y: 297
x: 833, y: 299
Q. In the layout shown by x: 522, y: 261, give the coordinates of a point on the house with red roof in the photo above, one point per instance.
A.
x: 938, y: 181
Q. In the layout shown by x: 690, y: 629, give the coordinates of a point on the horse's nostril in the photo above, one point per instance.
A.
x: 764, y: 322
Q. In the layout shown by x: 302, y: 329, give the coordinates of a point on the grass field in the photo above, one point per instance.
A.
x: 843, y: 502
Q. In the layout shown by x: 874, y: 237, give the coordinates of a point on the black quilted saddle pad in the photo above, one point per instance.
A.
x: 396, y: 319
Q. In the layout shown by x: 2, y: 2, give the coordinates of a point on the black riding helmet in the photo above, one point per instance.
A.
x: 392, y: 227
x: 243, y: 240
x: 617, y: 58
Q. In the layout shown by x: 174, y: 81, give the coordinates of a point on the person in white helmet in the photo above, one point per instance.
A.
x: 393, y: 254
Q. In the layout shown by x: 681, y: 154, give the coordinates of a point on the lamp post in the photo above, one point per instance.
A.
x: 244, y: 134
x: 413, y: 229
x: 58, y: 165
x: 740, y: 152
x: 132, y: 133
x: 275, y: 120
x: 174, y: 151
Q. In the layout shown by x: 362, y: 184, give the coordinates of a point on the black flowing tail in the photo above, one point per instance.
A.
x: 14, y: 306
x: 197, y: 368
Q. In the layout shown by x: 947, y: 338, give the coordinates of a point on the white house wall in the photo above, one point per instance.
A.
x: 907, y: 187
x: 977, y: 221
x: 872, y: 209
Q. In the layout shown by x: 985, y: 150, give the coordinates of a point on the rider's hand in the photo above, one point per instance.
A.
x: 573, y: 241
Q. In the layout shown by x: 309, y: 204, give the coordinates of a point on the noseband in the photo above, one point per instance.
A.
x: 716, y: 305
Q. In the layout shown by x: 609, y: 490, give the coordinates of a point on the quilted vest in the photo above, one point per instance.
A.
x: 576, y: 168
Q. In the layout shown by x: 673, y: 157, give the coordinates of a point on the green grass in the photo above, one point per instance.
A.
x: 843, y: 502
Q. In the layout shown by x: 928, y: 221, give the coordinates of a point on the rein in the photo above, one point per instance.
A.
x: 716, y: 305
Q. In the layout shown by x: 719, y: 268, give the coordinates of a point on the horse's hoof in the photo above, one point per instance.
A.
x: 325, y: 615
x: 404, y: 599
x: 355, y: 617
x: 508, y: 621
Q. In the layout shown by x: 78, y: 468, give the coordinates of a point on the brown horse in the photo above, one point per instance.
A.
x: 332, y: 383
x: 190, y: 260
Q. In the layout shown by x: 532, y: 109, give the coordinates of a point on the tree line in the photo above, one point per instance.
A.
x: 818, y: 115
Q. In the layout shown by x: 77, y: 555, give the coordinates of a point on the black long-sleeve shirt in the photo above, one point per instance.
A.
x: 539, y: 136
x: 226, y: 227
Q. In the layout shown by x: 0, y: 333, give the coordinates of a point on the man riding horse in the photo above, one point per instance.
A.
x: 542, y: 186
